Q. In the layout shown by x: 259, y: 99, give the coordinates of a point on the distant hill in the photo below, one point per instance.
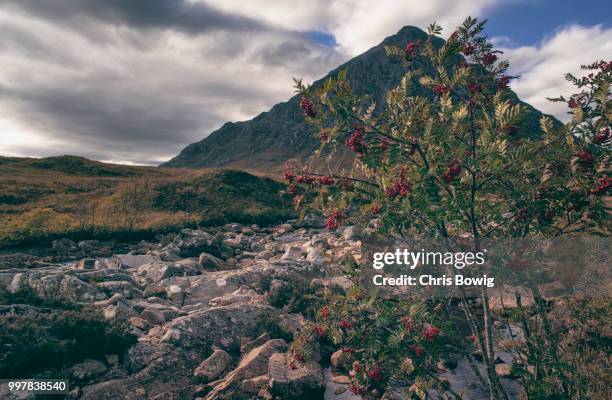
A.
x: 47, y: 198
x: 72, y: 165
x: 265, y: 142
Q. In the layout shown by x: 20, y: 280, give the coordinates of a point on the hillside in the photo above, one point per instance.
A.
x: 268, y: 140
x: 47, y: 198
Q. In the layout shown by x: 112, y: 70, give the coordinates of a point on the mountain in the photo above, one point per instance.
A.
x: 265, y: 142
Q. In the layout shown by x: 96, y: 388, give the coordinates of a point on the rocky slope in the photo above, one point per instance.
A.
x: 200, y: 305
x: 268, y: 140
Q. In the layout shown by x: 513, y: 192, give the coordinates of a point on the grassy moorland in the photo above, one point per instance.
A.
x: 48, y: 198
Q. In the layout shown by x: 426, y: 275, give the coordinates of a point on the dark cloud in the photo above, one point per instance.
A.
x: 181, y: 15
x: 138, y: 80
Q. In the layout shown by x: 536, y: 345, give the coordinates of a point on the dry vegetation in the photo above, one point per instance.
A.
x: 42, y: 199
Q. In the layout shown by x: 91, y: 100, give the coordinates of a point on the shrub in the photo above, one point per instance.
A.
x: 38, y: 341
x: 448, y: 155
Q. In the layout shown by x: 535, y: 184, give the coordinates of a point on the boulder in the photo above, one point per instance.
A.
x: 216, y: 326
x: 63, y: 246
x: 131, y: 261
x: 293, y: 253
x: 191, y: 243
x: 88, y: 369
x: 139, y: 323
x: 252, y: 386
x: 313, y: 220
x: 86, y: 263
x: 128, y: 291
x: 88, y: 245
x: 315, y: 256
x: 341, y: 360
x: 262, y: 339
x: 111, y: 390
x: 253, y: 364
x: 304, y: 382
x: 211, y: 368
x: 208, y: 261
x: 153, y: 316
x: 54, y: 286
x: 175, y: 293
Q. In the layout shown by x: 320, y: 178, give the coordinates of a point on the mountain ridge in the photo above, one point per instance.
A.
x: 265, y: 142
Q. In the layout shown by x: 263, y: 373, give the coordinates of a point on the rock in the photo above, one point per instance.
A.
x: 116, y: 298
x: 110, y: 390
x: 175, y: 293
x: 252, y: 386
x: 122, y: 287
x: 313, y: 220
x: 131, y: 261
x: 247, y: 347
x: 216, y: 326
x: 504, y: 370
x: 315, y: 256
x: 339, y: 390
x: 350, y: 233
x: 254, y: 364
x: 191, y: 243
x: 88, y: 245
x: 63, y: 246
x: 154, y: 290
x: 118, y: 310
x: 230, y: 298
x: 88, y: 369
x: 112, y: 359
x: 139, y: 323
x: 153, y: 316
x: 293, y: 253
x: 54, y: 286
x: 211, y: 368
x: 304, y: 382
x: 341, y: 360
x: 208, y: 261
x: 264, y: 255
x: 341, y: 379
x: 86, y: 263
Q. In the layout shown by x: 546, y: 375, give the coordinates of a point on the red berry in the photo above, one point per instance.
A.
x: 346, y: 324
x: 326, y: 180
x: 418, y: 350
x: 409, y: 324
x: 489, y: 59
x: 289, y: 171
x: 355, y: 142
x: 603, y: 186
x: 602, y: 136
x: 320, y: 330
x: 431, y: 332
x: 374, y: 373
x: 572, y: 103
x: 585, y: 157
x: 439, y: 89
x: 502, y: 82
x: 333, y: 221
x: 400, y: 187
x: 307, y: 106
x: 375, y: 209
x: 325, y: 312
x: 453, y: 169
x: 474, y: 87
x: 468, y: 49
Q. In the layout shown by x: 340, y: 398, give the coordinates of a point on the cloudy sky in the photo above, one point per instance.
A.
x: 134, y: 81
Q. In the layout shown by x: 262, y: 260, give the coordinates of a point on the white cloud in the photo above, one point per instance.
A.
x: 542, y: 67
x: 356, y: 24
